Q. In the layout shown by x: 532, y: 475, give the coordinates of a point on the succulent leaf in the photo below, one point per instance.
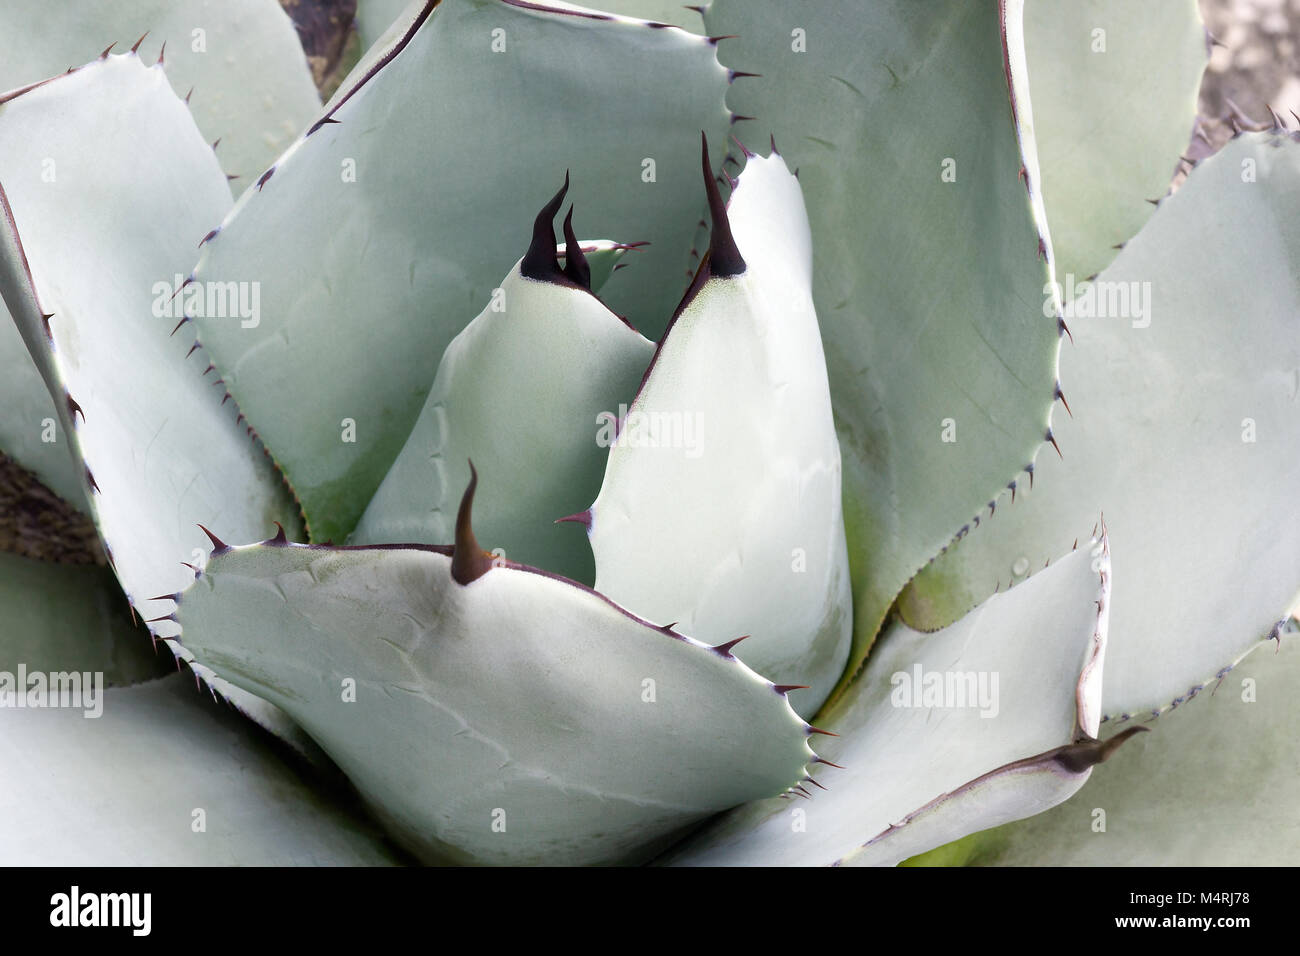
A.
x: 377, y: 18
x: 673, y: 12
x: 720, y: 507
x: 604, y: 257
x: 929, y: 265
x: 134, y: 785
x: 242, y: 60
x: 1207, y: 789
x: 420, y: 218
x: 61, y: 617
x: 1115, y: 90
x: 85, y: 263
x: 253, y: 92
x: 924, y: 762
x: 1211, y: 406
x: 522, y: 392
x: 495, y: 710
x: 30, y: 419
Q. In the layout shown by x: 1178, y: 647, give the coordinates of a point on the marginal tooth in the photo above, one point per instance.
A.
x: 218, y: 546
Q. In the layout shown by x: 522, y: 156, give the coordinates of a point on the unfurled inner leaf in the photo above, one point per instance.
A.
x: 525, y: 391
x: 720, y: 507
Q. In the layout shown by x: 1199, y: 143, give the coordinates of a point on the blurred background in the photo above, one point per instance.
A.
x: 1254, y: 64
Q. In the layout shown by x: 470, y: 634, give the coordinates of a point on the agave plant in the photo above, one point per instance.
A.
x: 834, y: 603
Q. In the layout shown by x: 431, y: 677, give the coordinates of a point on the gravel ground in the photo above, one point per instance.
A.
x: 1254, y: 65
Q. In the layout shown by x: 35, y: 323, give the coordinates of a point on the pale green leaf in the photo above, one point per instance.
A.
x: 252, y: 88
x: 378, y: 236
x: 929, y: 292
x: 86, y: 262
x: 658, y: 11
x: 1183, y: 382
x: 523, y: 392
x: 252, y: 91
x: 604, y: 258
x: 376, y: 17
x: 164, y: 777
x: 516, y: 718
x: 720, y: 507
x: 61, y: 617
x: 30, y: 418
x: 945, y: 733
x: 1115, y: 88
x: 1212, y: 785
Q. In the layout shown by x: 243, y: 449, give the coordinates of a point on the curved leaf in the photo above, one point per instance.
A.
x: 1115, y: 86
x: 946, y: 733
x: 1185, y: 430
x: 60, y: 617
x: 720, y: 507
x: 252, y: 92
x: 375, y: 18
x: 404, y: 188
x: 165, y: 778
x: 522, y: 392
x: 1209, y: 788
x: 686, y: 16
x: 251, y: 86
x: 30, y: 418
x: 489, y: 712
x: 86, y: 265
x: 928, y: 276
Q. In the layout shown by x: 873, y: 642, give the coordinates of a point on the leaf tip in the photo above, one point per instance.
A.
x: 469, y: 562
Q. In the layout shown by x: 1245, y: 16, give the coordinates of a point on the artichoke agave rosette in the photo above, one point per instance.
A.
x: 489, y: 705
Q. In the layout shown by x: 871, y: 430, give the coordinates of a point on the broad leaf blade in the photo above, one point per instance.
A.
x: 1184, y: 431
x: 30, y: 419
x: 720, y: 507
x: 377, y: 17
x: 252, y: 89
x: 1208, y: 788
x: 521, y: 392
x: 59, y: 617
x: 407, y: 191
x: 253, y: 93
x: 925, y: 762
x: 85, y: 265
x: 493, y: 721
x: 1114, y: 86
x: 164, y: 777
x: 930, y: 292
